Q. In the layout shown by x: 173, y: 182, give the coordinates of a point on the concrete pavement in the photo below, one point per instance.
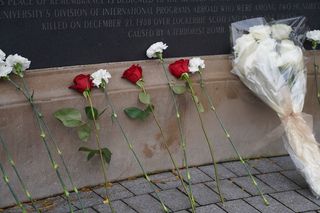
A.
x: 282, y: 185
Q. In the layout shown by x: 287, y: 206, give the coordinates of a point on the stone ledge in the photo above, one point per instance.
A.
x: 246, y: 118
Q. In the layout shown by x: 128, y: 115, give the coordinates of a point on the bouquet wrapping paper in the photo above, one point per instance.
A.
x: 269, y: 60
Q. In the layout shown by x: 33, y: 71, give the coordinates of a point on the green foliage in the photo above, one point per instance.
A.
x: 92, y: 152
x: 89, y: 112
x: 84, y: 132
x: 95, y: 111
x: 179, y: 89
x: 134, y: 112
x: 144, y: 98
x: 70, y: 117
x: 199, y: 105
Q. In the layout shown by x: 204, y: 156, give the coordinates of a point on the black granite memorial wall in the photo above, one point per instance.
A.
x: 54, y: 33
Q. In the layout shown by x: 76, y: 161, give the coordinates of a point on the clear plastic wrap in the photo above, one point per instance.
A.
x: 269, y: 60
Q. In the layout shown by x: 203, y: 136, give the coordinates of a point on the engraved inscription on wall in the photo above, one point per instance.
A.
x: 95, y: 26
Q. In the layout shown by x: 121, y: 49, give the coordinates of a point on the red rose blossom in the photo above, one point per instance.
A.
x: 133, y: 74
x: 179, y: 67
x: 82, y: 83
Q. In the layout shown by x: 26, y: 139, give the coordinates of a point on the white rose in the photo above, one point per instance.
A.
x: 156, y: 48
x: 292, y: 58
x: 194, y: 65
x: 243, y: 44
x: 287, y: 45
x: 281, y: 31
x: 260, y: 31
x: 268, y: 44
x: 14, y: 59
x: 314, y: 35
x: 99, y: 75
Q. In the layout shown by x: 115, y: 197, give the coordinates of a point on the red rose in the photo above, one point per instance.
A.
x: 179, y: 67
x: 82, y: 83
x: 133, y: 74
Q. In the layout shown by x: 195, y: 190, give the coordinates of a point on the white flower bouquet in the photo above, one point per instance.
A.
x: 269, y: 60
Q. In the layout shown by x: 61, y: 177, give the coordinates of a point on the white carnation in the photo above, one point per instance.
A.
x: 2, y: 55
x: 12, y: 60
x: 4, y: 69
x: 314, y: 35
x: 99, y: 75
x: 156, y: 48
x: 194, y: 65
x: 260, y: 31
x: 281, y: 31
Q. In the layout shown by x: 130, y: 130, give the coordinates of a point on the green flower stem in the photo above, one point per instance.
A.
x: 172, y: 159
x: 100, y: 152
x: 55, y: 166
x: 131, y: 148
x: 12, y: 164
x: 6, y: 179
x: 314, y: 46
x: 186, y: 77
x: 229, y: 138
x: 60, y: 154
x: 181, y: 135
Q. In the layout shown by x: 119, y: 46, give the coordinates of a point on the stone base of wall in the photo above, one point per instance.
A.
x: 245, y: 116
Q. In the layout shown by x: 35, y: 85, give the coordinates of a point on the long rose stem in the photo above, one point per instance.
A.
x: 229, y: 138
x: 205, y: 133
x: 131, y: 148
x: 172, y: 159
x: 55, y: 144
x: 100, y: 152
x: 16, y: 171
x: 6, y: 179
x: 55, y: 166
x: 181, y: 135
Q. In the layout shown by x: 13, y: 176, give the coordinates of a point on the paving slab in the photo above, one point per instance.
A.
x: 284, y: 162
x: 295, y: 201
x: 116, y: 192
x: 238, y: 206
x: 202, y: 194
x: 196, y: 175
x: 229, y: 190
x: 166, y: 180
x: 296, y: 177
x: 144, y: 203
x: 118, y: 207
x: 223, y: 172
x: 183, y: 211
x: 138, y: 186
x: 54, y: 204
x: 258, y: 203
x: 238, y: 168
x: 307, y: 193
x: 213, y: 208
x: 174, y: 199
x: 18, y: 209
x: 246, y: 183
x: 88, y: 210
x: 278, y: 182
x: 88, y: 198
x: 264, y: 165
